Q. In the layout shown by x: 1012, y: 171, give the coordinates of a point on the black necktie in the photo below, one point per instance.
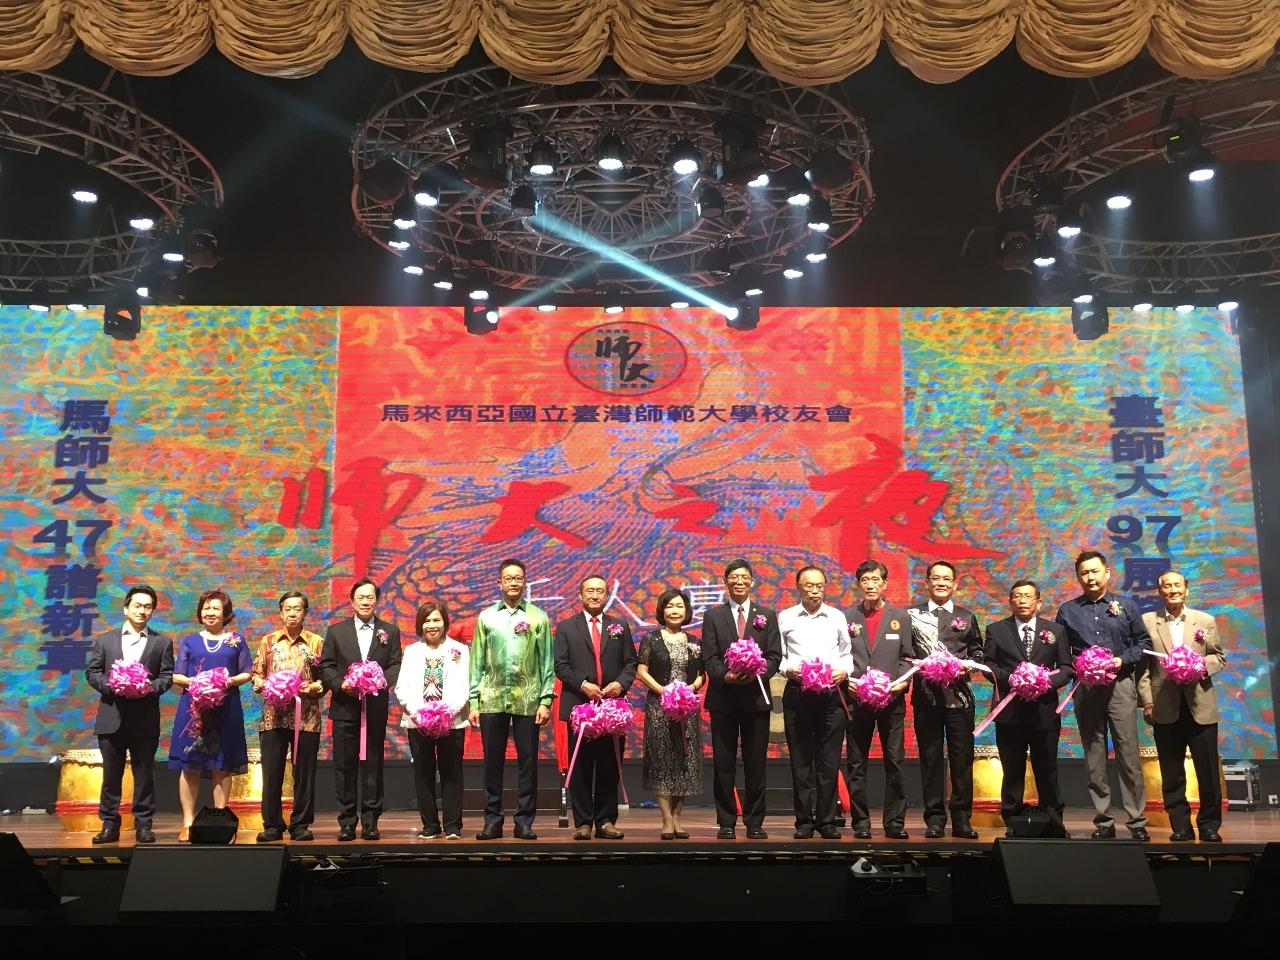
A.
x: 1026, y: 639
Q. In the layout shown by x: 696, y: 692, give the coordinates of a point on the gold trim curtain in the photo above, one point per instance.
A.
x: 664, y: 41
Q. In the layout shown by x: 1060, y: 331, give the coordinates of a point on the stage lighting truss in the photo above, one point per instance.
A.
x: 104, y: 129
x: 642, y: 210
x: 1123, y: 130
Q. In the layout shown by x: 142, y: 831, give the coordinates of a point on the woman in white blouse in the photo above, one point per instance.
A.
x: 435, y: 668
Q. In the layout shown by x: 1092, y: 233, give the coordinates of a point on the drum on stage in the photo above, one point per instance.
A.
x: 988, y: 772
x: 80, y: 788
x: 1153, y: 782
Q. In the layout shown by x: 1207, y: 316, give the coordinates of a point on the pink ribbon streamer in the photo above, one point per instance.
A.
x: 1071, y: 692
x: 364, y: 729
x: 617, y: 753
x: 994, y: 713
x: 297, y: 726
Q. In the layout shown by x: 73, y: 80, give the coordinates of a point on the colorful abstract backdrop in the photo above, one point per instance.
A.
x: 272, y: 448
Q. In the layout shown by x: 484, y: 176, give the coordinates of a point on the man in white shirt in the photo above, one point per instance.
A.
x: 815, y: 721
x: 130, y: 725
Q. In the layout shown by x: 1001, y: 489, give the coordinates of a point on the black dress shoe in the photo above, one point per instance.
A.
x: 144, y: 835
x: 302, y: 834
x: 107, y: 835
x: 1210, y: 836
x: 804, y: 833
x: 755, y: 833
x: 934, y: 833
x: 525, y: 833
x: 270, y: 835
x: 896, y: 833
x: 492, y: 832
x: 726, y: 833
x: 346, y: 833
x: 1140, y: 834
x: 1104, y: 833
x: 370, y: 833
x: 829, y: 833
x: 862, y: 832
x: 964, y: 832
x: 1182, y: 836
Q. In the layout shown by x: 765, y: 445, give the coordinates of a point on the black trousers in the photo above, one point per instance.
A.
x: 494, y: 728
x: 142, y: 759
x: 593, y: 791
x: 933, y: 722
x: 349, y: 774
x: 891, y: 726
x: 442, y: 755
x: 1172, y: 742
x: 276, y: 746
x: 815, y: 725
x: 727, y: 729
x: 1013, y: 740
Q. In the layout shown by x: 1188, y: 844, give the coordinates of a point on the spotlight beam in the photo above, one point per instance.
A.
x: 562, y: 228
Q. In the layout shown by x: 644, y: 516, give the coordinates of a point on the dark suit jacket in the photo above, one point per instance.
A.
x: 340, y: 650
x: 1003, y: 653
x: 719, y: 632
x: 141, y: 717
x: 965, y: 644
x: 893, y: 647
x: 576, y: 660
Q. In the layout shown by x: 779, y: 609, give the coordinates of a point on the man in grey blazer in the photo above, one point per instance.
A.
x: 130, y: 726
x: 1184, y: 717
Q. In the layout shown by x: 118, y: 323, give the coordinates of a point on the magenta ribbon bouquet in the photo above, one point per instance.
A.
x: 815, y: 677
x: 364, y: 679
x: 208, y: 689
x: 129, y: 680
x: 434, y: 719
x: 679, y: 702
x: 1095, y: 667
x: 873, y: 689
x: 610, y: 717
x: 744, y: 657
x: 281, y: 689
x: 1030, y: 681
x: 1183, y: 665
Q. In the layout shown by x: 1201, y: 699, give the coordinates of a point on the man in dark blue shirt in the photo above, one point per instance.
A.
x: 1100, y: 618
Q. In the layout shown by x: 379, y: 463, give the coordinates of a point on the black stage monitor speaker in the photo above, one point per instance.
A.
x: 187, y: 881
x: 214, y: 825
x: 1075, y: 878
x: 1262, y: 894
x: 22, y: 888
x: 1032, y: 824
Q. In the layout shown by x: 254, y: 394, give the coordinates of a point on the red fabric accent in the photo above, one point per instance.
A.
x: 873, y: 626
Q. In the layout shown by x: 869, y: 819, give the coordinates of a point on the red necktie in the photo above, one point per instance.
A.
x: 595, y: 647
x: 742, y: 623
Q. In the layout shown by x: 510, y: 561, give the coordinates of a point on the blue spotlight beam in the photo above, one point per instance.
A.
x: 567, y: 231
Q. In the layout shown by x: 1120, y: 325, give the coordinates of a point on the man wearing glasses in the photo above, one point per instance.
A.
x: 945, y: 711
x: 512, y: 686
x: 880, y: 637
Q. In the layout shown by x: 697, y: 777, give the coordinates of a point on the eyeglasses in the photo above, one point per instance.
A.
x: 513, y: 579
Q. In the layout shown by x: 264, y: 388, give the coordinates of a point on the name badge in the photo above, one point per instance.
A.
x: 891, y: 636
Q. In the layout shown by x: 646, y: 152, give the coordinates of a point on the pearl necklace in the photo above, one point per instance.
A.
x: 204, y: 637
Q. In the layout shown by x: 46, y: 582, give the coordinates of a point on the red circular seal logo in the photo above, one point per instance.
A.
x: 626, y: 359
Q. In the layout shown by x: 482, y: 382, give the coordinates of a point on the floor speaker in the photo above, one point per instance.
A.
x: 214, y: 825
x: 1263, y: 890
x: 22, y: 888
x: 237, y: 882
x: 1098, y: 879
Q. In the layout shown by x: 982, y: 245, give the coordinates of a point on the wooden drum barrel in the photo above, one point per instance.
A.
x: 987, y: 775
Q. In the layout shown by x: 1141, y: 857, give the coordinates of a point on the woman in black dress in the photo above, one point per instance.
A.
x: 672, y: 751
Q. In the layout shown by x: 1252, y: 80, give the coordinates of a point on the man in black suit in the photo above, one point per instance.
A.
x: 880, y: 638
x: 364, y: 637
x: 1028, y: 725
x: 595, y: 660
x: 948, y: 711
x: 130, y: 725
x: 738, y: 709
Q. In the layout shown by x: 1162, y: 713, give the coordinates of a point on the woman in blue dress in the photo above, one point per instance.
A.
x: 212, y: 743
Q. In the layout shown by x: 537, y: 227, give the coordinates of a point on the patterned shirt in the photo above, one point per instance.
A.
x: 512, y: 660
x: 275, y: 652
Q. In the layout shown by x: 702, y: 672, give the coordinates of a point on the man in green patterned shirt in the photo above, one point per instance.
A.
x: 512, y: 686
